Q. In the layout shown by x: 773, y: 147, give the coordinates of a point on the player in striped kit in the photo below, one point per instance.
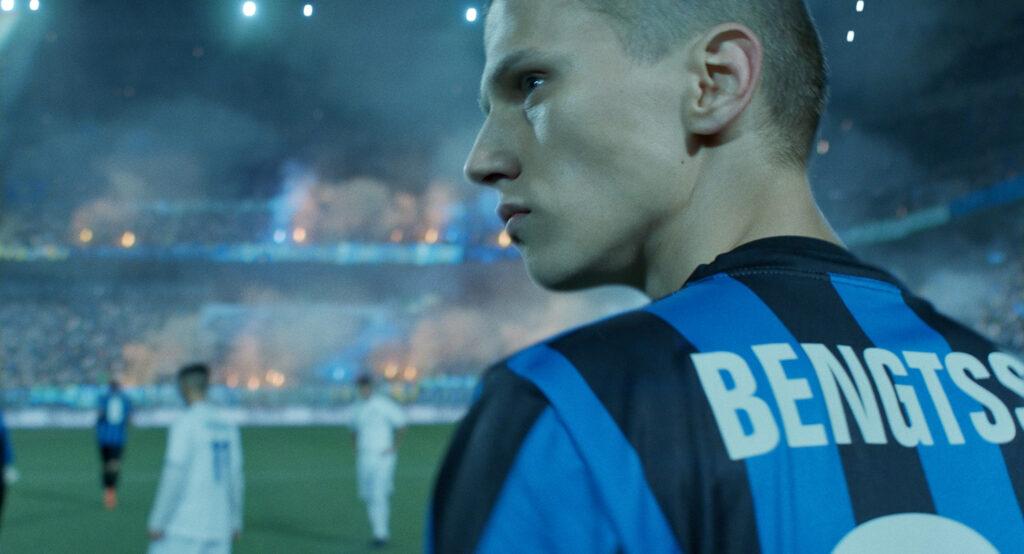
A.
x: 111, y: 433
x: 777, y: 394
x: 198, y: 507
x: 9, y: 475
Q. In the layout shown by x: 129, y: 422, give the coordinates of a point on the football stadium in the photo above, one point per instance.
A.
x: 272, y: 191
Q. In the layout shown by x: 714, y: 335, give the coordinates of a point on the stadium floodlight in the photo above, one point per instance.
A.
x: 33, y: 5
x: 860, y: 6
x: 307, y: 10
x: 128, y: 239
x: 280, y: 236
x: 7, y: 5
x: 850, y: 36
x: 472, y: 14
x: 249, y: 8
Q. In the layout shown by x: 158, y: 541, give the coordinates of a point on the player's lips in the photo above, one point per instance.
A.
x: 510, y: 211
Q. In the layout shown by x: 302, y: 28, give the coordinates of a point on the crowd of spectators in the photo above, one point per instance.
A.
x: 1002, y: 318
x: 52, y: 337
x: 59, y: 346
x: 949, y: 182
x: 70, y: 338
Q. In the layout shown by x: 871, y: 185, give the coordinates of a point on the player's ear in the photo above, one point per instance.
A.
x: 723, y: 72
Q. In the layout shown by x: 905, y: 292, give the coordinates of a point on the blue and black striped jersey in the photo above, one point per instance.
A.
x: 7, y: 454
x: 788, y: 398
x: 112, y: 422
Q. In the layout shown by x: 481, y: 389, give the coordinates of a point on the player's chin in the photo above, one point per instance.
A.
x: 557, y: 277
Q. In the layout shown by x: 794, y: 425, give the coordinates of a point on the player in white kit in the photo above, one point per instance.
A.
x: 198, y: 507
x: 377, y: 426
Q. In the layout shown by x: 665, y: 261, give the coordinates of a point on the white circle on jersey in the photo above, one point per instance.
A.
x: 914, y: 533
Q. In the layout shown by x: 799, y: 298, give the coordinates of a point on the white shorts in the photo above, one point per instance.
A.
x: 376, y: 475
x: 171, y: 544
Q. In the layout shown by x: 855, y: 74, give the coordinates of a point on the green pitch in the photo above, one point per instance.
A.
x: 300, y: 492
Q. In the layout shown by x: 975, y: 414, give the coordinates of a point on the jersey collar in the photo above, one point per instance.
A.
x: 791, y: 253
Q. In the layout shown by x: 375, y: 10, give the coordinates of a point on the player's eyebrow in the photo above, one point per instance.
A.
x: 501, y: 69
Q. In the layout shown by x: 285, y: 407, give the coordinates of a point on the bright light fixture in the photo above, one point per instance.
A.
x: 128, y: 239
x: 307, y: 10
x: 249, y: 9
x: 472, y: 14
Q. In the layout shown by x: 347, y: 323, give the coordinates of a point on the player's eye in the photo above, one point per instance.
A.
x: 530, y: 82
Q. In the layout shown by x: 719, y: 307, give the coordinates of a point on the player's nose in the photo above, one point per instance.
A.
x: 491, y: 161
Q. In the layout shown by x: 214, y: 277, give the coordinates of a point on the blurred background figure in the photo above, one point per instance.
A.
x: 377, y: 426
x: 111, y: 433
x: 10, y: 473
x: 198, y: 508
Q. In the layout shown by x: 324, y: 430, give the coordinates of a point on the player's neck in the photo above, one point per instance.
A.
x: 730, y: 208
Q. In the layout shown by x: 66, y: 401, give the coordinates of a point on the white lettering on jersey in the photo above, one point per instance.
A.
x: 928, y: 363
x: 861, y: 399
x: 727, y: 403
x: 962, y: 367
x: 748, y: 423
x: 787, y: 392
x: 913, y: 429
x: 1010, y: 372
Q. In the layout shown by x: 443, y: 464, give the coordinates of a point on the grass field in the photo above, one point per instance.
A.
x: 300, y: 492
